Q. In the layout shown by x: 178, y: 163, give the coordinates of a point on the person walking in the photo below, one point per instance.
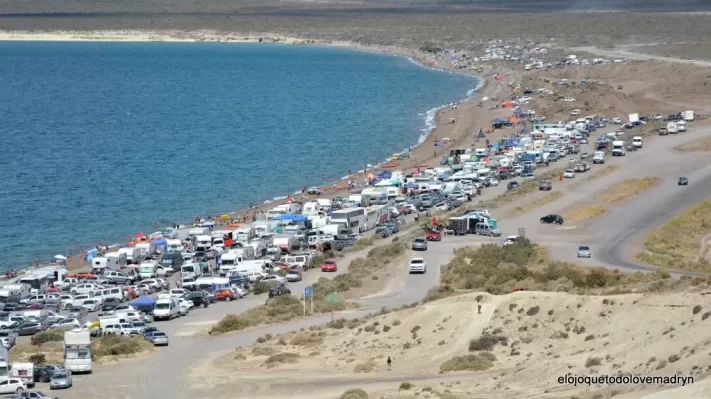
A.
x: 389, y: 362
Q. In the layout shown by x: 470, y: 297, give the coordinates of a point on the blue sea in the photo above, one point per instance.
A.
x: 100, y: 140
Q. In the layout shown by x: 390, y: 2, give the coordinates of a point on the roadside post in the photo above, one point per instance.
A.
x: 308, y: 293
x: 332, y: 298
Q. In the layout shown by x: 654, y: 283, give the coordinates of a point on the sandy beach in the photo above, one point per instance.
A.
x: 455, y: 126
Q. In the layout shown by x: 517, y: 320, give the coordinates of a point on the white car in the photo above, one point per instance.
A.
x: 155, y: 284
x: 67, y: 323
x: 79, y: 300
x: 164, y: 270
x: 12, y: 385
x: 239, y: 292
x: 417, y: 265
x: 178, y: 292
x: 272, y: 277
x: 91, y: 305
x: 188, y: 304
x: 569, y: 174
x: 494, y: 182
x: 617, y: 120
x: 568, y: 99
x: 66, y: 301
x: 88, y: 289
x: 575, y: 112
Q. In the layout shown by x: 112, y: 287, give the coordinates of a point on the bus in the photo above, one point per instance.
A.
x: 38, y: 284
x: 353, y: 218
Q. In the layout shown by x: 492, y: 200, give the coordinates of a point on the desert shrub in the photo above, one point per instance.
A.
x: 281, y: 358
x: 261, y: 287
x: 261, y: 340
x: 302, y: 339
x: 51, y: 335
x: 593, y: 361
x: 404, y: 386
x: 697, y: 309
x: 487, y: 342
x: 406, y: 345
x: 386, y: 328
x: 338, y: 323
x: 590, y: 337
x: 533, y: 310
x: 118, y: 345
x: 439, y: 292
x: 705, y: 315
x: 369, y: 328
x: 366, y: 367
x: 472, y: 362
x: 396, y: 323
x: 673, y: 358
x: 38, y: 358
x: 229, y: 323
x: 354, y: 393
x: 263, y: 351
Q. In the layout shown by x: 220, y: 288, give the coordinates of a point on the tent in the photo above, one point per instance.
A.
x: 91, y: 254
x: 385, y: 175
x: 161, y: 243
x: 481, y: 134
x: 290, y: 217
x: 144, y: 302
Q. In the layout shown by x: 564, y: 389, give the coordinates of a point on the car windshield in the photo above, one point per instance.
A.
x: 162, y: 306
x: 416, y: 261
x: 584, y: 249
x: 419, y: 240
x: 292, y: 272
x: 59, y: 376
x: 158, y: 334
x: 73, y: 310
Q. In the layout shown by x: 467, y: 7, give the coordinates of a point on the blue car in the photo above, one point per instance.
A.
x: 393, y: 227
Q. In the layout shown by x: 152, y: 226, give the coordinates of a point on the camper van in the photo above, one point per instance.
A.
x: 192, y: 270
x: 23, y: 290
x: 147, y: 249
x: 120, y: 258
x: 166, y: 309
x: 11, y: 295
x: 102, y: 263
x: 133, y: 255
x: 285, y: 243
x: 174, y: 246
x: 147, y: 269
x: 211, y: 284
x: 202, y: 243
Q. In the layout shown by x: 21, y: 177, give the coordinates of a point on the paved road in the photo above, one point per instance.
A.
x: 619, y: 53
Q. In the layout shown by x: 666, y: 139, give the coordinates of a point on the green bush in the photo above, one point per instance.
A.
x: 261, y: 287
x: 51, y: 335
x: 487, y: 342
x: 284, y: 357
x: 471, y: 362
x: 229, y: 323
x: 118, y: 345
x: 404, y: 386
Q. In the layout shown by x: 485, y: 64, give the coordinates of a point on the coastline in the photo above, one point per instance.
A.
x: 436, y: 119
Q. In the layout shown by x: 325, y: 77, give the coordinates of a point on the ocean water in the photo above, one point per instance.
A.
x: 100, y: 140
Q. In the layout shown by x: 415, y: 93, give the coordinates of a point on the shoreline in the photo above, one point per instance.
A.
x: 419, y: 150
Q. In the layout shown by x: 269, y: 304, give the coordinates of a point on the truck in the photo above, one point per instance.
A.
x: 147, y: 269
x: 77, y: 351
x: 619, y: 148
x: 202, y: 243
x: 286, y: 243
x: 599, y: 157
x: 681, y: 126
x: 147, y: 249
x: 688, y: 116
x: 637, y: 141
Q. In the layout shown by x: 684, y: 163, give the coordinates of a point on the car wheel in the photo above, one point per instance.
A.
x: 74, y: 292
x: 204, y: 305
x: 19, y: 390
x: 229, y: 298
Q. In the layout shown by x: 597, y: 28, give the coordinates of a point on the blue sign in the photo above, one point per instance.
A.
x: 308, y: 291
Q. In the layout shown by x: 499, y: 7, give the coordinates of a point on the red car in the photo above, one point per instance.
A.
x: 329, y: 266
x: 433, y: 235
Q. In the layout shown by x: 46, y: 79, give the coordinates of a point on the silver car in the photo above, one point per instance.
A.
x: 60, y: 380
x: 583, y: 252
x: 419, y: 244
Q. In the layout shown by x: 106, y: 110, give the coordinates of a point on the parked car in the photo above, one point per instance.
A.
x: 552, y: 219
x: 512, y: 185
x: 61, y: 380
x: 225, y: 294
x: 68, y: 323
x: 92, y: 305
x: 27, y: 327
x: 198, y: 299
x: 77, y: 312
x: 278, y: 291
x: 35, y: 395
x: 545, y: 185
x: 110, y: 304
x: 12, y: 385
x: 419, y: 244
x: 275, y: 278
x: 157, y: 338
x: 569, y: 174
x: 683, y: 181
x: 329, y: 266
x: 382, y: 231
x: 8, y: 338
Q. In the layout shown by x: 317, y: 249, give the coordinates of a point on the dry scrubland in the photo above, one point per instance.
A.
x: 681, y: 244
x: 518, y: 345
x: 48, y: 347
x: 619, y: 192
x: 698, y: 145
x: 696, y: 50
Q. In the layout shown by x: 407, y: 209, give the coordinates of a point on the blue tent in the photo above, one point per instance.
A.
x: 144, y: 302
x: 91, y: 254
x: 161, y: 243
x: 286, y: 216
x: 385, y: 175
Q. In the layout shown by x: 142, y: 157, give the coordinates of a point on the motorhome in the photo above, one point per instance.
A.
x: 311, y: 208
x: 199, y: 231
x: 244, y: 235
x: 10, y: 295
x: 233, y: 258
x: 147, y: 269
x: 202, y: 243
x: 175, y: 246
x: 103, y: 263
x: 77, y: 351
x: 192, y: 270
x: 147, y: 249
x: 681, y: 126
x: 286, y: 243
x: 336, y: 229
x: 212, y: 284
x: 257, y: 264
x: 120, y: 258
x: 23, y: 371
x: 619, y: 148
x: 688, y: 116
x: 259, y: 247
x: 672, y: 127
x: 300, y: 260
x: 353, y: 218
x: 133, y: 255
x: 24, y: 290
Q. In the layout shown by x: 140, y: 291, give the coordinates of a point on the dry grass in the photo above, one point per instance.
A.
x: 628, y: 188
x: 696, y: 145
x: 602, y: 172
x: 677, y: 244
x: 546, y: 199
x: 471, y: 362
x: 527, y: 187
x: 583, y: 212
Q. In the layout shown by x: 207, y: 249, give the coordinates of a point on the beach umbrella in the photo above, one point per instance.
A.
x: 60, y: 257
x: 225, y: 217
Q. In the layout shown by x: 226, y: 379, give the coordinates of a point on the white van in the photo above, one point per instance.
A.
x: 113, y: 292
x: 199, y: 231
x: 133, y: 255
x: 212, y: 283
x: 637, y: 141
x: 303, y: 261
x: 166, y: 309
x: 103, y: 263
x: 147, y: 249
x: 202, y: 243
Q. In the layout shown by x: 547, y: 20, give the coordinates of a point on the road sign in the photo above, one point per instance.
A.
x: 308, y: 291
x: 332, y: 297
x: 521, y: 232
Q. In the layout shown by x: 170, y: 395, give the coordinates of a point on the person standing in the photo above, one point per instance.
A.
x: 389, y: 362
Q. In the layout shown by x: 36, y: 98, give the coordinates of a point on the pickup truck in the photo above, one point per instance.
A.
x: 118, y: 278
